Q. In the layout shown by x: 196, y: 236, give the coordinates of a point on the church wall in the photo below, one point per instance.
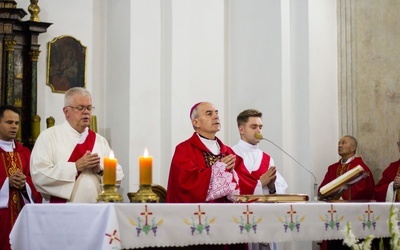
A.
x: 66, y: 16
x: 376, y: 81
x: 150, y: 61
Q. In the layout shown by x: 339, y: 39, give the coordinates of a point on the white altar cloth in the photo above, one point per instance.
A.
x: 124, y: 226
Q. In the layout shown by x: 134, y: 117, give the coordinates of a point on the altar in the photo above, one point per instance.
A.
x: 138, y: 225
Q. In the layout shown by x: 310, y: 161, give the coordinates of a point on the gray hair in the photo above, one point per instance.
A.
x: 69, y: 95
x: 353, y: 141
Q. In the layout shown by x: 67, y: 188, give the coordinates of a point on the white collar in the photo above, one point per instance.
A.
x: 348, y: 160
x: 212, y: 145
x: 82, y: 136
x: 247, y: 146
x: 7, y: 146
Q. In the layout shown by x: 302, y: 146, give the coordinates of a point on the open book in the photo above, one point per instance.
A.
x: 341, y: 183
x: 272, y: 198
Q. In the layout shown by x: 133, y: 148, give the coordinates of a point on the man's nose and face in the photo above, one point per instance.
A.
x: 9, y: 125
x: 345, y: 147
x: 79, y: 112
x: 207, y: 122
x: 247, y: 131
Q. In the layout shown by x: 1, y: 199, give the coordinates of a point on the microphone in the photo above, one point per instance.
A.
x: 259, y: 136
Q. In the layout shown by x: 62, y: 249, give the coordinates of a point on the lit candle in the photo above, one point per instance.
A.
x: 110, y: 170
x: 145, y: 168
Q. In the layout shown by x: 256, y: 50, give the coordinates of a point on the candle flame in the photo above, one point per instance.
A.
x: 111, y: 155
x: 146, y: 153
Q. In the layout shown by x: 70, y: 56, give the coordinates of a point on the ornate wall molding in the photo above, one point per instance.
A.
x: 347, y: 67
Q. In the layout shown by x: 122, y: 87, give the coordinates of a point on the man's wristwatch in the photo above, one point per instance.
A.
x: 100, y: 172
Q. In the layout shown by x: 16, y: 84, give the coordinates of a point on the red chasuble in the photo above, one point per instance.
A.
x: 388, y: 176
x: 77, y: 153
x: 362, y: 190
x: 190, y: 172
x: 248, y: 181
x: 9, y: 164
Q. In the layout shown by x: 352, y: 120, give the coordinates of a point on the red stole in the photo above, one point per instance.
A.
x: 248, y: 181
x: 12, y: 163
x: 77, y: 153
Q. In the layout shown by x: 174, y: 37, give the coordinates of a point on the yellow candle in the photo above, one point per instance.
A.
x: 110, y: 170
x: 145, y: 168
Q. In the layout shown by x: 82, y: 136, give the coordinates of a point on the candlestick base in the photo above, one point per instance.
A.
x: 144, y: 195
x: 109, y: 194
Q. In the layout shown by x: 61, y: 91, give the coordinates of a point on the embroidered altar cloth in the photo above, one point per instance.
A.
x: 124, y: 226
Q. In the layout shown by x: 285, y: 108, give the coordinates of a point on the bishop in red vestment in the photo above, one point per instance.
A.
x: 202, y: 168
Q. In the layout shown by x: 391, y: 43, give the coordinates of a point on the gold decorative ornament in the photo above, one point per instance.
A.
x: 50, y: 121
x: 35, y: 127
x: 93, y: 123
x: 145, y: 194
x: 34, y: 10
x: 109, y: 194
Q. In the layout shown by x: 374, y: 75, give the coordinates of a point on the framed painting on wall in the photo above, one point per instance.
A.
x: 66, y: 64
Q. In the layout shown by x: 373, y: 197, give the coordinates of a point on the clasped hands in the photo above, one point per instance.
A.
x: 17, y: 180
x: 268, y: 178
x: 88, y: 161
x: 229, y: 160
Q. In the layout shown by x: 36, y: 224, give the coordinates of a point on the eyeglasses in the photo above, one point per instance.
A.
x: 81, y: 108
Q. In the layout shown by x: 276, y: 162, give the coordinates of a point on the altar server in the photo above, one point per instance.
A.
x: 258, y: 175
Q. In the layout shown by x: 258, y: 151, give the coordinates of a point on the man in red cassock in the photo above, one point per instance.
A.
x: 362, y: 190
x: 202, y: 168
x: 16, y: 187
x: 387, y: 188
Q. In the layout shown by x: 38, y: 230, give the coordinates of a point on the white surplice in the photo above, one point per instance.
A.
x: 53, y: 175
x: 252, y: 157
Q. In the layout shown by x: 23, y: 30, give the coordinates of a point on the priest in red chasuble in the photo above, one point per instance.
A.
x: 202, y: 167
x: 16, y: 187
x: 362, y: 190
x: 387, y: 188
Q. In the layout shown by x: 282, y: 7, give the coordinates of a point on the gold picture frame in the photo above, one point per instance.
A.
x: 66, y: 64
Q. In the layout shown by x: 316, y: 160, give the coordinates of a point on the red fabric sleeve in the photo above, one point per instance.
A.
x: 189, y: 178
x: 388, y: 176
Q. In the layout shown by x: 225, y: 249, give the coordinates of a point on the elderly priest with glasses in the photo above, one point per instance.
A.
x: 67, y: 159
